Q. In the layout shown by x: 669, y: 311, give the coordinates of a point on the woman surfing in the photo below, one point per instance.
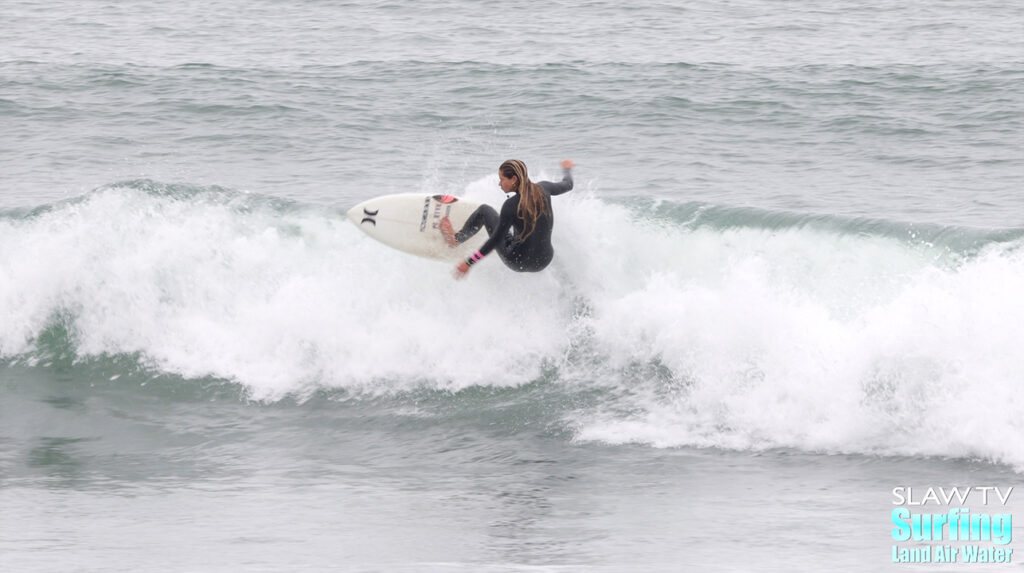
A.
x: 521, y: 233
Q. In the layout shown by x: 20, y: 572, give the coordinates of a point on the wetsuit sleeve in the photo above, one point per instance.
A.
x: 561, y: 187
x: 508, y: 214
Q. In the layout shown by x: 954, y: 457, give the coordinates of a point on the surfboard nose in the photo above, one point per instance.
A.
x: 363, y: 213
x: 355, y: 213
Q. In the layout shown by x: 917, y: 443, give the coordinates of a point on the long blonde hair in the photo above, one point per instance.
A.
x: 532, y: 200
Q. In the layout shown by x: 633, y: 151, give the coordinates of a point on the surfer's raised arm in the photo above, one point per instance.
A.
x: 565, y: 184
x: 527, y: 214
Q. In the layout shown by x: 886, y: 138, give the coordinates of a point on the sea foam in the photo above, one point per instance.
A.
x: 706, y: 334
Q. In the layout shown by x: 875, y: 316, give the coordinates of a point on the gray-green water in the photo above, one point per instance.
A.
x: 788, y: 281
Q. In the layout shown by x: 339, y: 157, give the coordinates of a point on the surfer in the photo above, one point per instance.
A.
x: 521, y: 233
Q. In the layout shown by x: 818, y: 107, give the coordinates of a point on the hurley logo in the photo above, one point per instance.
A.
x: 369, y: 218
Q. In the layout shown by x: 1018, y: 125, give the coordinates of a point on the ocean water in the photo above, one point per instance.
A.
x: 789, y: 280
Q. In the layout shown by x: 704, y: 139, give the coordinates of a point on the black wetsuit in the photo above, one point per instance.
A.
x: 529, y: 255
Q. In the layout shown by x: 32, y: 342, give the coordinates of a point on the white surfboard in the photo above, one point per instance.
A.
x: 410, y: 222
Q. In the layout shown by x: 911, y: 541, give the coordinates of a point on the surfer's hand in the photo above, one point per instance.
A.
x: 460, y: 271
x: 567, y: 164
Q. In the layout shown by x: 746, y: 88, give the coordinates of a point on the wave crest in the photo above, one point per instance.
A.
x: 694, y: 325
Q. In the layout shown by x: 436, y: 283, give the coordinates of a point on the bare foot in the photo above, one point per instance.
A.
x: 448, y: 232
